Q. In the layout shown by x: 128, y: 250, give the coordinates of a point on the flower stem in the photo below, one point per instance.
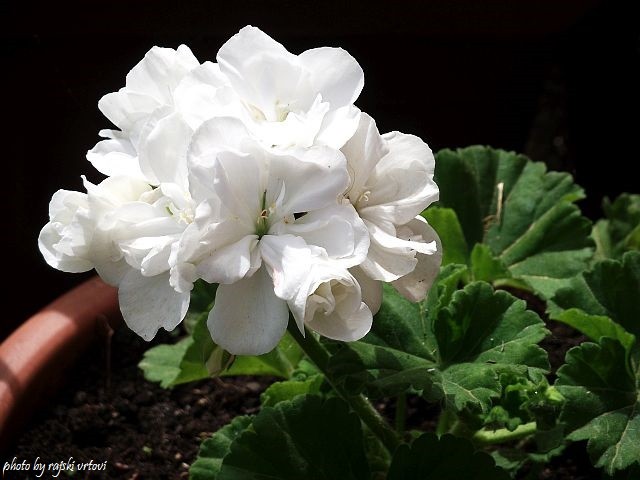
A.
x: 401, y: 413
x: 487, y: 437
x: 358, y: 403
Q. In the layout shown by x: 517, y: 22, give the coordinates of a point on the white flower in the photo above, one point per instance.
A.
x: 246, y: 236
x: 292, y: 100
x: 125, y: 230
x: 391, y: 184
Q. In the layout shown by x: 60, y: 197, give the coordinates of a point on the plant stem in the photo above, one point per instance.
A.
x: 487, y: 437
x: 401, y: 413
x: 358, y: 403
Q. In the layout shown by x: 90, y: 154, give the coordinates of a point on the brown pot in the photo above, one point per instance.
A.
x: 35, y: 359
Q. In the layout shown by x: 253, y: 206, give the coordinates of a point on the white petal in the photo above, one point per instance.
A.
x: 163, y: 153
x: 338, y: 126
x: 47, y: 240
x: 247, y: 318
x: 128, y: 110
x: 402, y: 183
x: 337, y: 229
x: 335, y: 74
x: 416, y: 284
x: 148, y: 303
x: 314, y: 180
x: 229, y: 263
x: 331, y: 304
x: 262, y: 71
x: 115, y: 156
x: 288, y: 259
x: 363, y: 152
x: 160, y: 72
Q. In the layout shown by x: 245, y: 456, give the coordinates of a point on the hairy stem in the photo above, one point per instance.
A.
x: 358, y: 403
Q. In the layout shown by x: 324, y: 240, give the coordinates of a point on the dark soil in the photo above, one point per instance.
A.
x: 145, y: 432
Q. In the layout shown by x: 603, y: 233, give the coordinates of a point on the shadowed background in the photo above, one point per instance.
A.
x: 556, y: 80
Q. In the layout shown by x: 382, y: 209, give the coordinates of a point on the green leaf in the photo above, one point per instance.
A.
x: 445, y: 222
x: 457, y: 349
x: 485, y: 267
x: 200, y: 302
x: 209, y: 461
x: 620, y: 231
x: 524, y: 214
x: 307, y: 437
x: 600, y: 383
x: 603, y: 302
x: 444, y: 458
x: 162, y: 363
x: 196, y: 357
x: 289, y: 389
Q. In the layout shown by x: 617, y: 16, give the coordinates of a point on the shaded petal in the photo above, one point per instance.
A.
x: 47, y: 240
x: 415, y: 285
x: 335, y: 74
x: 148, y: 303
x: 337, y: 229
x: 247, y: 318
x: 288, y: 260
x: 390, y: 257
x: 128, y: 110
x: 371, y: 289
x: 229, y: 263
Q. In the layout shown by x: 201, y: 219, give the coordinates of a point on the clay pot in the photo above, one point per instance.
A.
x: 35, y: 359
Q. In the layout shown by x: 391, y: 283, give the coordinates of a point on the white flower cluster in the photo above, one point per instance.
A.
x: 257, y: 173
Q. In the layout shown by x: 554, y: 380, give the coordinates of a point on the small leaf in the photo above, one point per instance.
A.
x: 307, y: 437
x: 213, y: 450
x: 289, y: 389
x: 601, y: 386
x: 445, y: 222
x: 620, y: 231
x: 444, y: 458
x: 485, y: 267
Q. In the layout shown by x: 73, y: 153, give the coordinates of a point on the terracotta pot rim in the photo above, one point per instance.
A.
x: 35, y: 357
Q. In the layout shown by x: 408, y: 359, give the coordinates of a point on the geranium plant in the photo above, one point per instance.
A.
x: 251, y: 200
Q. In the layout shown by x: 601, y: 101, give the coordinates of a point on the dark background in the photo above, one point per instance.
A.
x: 555, y: 79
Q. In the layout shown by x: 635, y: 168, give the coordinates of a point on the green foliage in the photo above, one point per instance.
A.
x: 535, y: 236
x: 213, y: 450
x: 289, y: 389
x: 457, y: 349
x: 619, y: 232
x: 307, y: 437
x: 444, y: 458
x: 603, y: 302
x: 601, y: 385
x: 196, y: 357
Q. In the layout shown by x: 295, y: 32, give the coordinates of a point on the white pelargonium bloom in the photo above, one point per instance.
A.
x: 292, y: 100
x: 124, y: 229
x: 266, y: 217
x: 391, y: 184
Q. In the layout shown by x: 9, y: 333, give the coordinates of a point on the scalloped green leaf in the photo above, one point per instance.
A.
x: 444, y: 458
x: 209, y: 461
x: 603, y: 302
x: 619, y: 232
x: 308, y: 437
x: 456, y: 349
x: 289, y: 389
x: 445, y: 222
x: 601, y: 386
x: 524, y: 214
